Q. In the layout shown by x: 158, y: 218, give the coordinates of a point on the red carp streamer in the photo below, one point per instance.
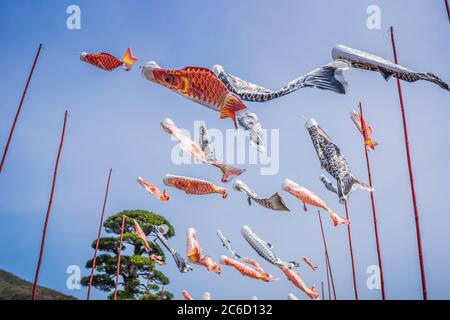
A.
x: 11, y: 132
x: 108, y: 62
x: 186, y: 295
x: 94, y: 260
x: 254, y: 272
x: 49, y: 208
x: 411, y: 178
x: 152, y: 189
x: 308, y: 197
x: 195, y: 253
x: 365, y: 129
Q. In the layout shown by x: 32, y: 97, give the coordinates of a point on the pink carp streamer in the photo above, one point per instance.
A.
x: 187, y: 296
x: 295, y: 278
x: 308, y: 197
x: 152, y: 189
x: 194, y: 186
x: 310, y: 263
x: 194, y: 149
x: 254, y: 272
x: 195, y: 253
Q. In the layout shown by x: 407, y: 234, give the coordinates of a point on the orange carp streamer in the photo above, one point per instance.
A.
x: 152, y: 189
x: 256, y: 272
x: 295, y: 278
x: 195, y: 253
x: 308, y: 197
x: 365, y: 129
x: 194, y: 186
x: 204, y: 87
x: 141, y: 235
x: 198, y: 151
x: 108, y: 62
x: 310, y: 263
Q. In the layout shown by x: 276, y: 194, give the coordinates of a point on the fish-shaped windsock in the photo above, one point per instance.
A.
x: 141, y: 234
x: 333, y: 161
x: 308, y: 197
x: 253, y: 271
x: 152, y: 189
x: 108, y: 62
x: 227, y: 244
x: 310, y: 263
x: 182, y: 265
x: 295, y: 278
x: 195, y: 253
x: 292, y: 297
x: 365, y: 129
x: 328, y: 77
x: 201, y: 85
x: 193, y: 186
x: 275, y: 202
x: 198, y: 150
x: 264, y: 249
x: 186, y: 295
x: 366, y: 61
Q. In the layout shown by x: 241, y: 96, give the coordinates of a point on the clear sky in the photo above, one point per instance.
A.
x: 114, y: 122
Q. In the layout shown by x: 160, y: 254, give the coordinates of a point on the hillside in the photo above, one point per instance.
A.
x: 14, y: 288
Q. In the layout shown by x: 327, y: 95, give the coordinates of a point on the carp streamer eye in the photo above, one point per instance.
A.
x: 168, y: 78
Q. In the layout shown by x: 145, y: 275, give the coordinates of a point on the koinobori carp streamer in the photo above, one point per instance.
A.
x: 198, y: 150
x: 365, y: 129
x: 275, y: 202
x: 252, y: 269
x: 308, y: 197
x: 108, y: 62
x: 332, y: 160
x: 193, y: 186
x: 152, y: 189
x: 201, y: 85
x: 195, y: 253
x: 182, y: 265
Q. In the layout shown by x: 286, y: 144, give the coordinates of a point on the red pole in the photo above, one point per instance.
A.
x: 98, y: 236
x: 326, y: 254
x: 44, y: 233
x: 19, y: 109
x: 351, y: 252
x: 328, y: 277
x: 372, y: 198
x: 323, y: 292
x: 411, y: 176
x: 448, y: 9
x: 118, y: 257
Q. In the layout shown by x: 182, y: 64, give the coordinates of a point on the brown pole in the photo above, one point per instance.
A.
x: 98, y: 236
x: 411, y: 177
x: 47, y: 216
x: 118, y: 258
x: 11, y: 132
x: 355, y: 288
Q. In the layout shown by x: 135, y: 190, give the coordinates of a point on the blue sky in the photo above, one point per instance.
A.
x: 114, y: 122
